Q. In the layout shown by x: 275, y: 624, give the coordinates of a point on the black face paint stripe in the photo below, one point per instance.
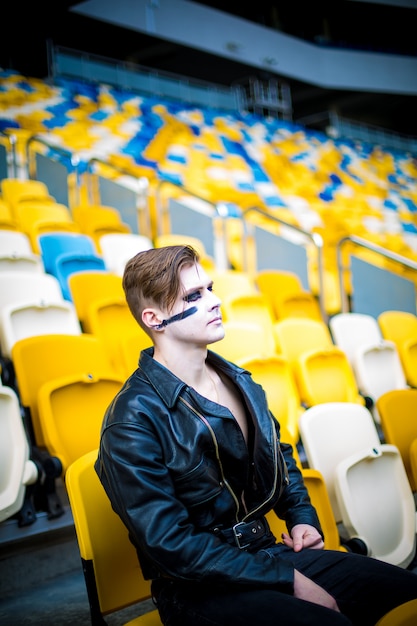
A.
x: 177, y: 317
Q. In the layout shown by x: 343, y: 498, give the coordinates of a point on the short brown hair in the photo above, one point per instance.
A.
x: 152, y: 277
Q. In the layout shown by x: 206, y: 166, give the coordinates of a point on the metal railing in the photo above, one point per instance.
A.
x: 313, y: 238
x: 366, y: 245
x: 139, y: 183
x: 218, y: 215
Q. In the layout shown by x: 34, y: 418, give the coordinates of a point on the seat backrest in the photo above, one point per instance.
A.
x: 111, y: 569
x: 326, y: 376
x: 68, y: 264
x: 378, y: 370
x: 118, y: 248
x: 276, y: 377
x: 131, y: 346
x: 276, y: 285
x: 354, y: 330
x: 17, y: 470
x: 402, y: 615
x: 71, y: 411
x: 38, y: 359
x: 109, y: 319
x: 401, y: 328
x: 15, y: 190
x: 20, y: 287
x: 88, y: 286
x: 397, y: 411
x: 14, y: 243
x: 299, y: 304
x: 39, y: 317
x: 297, y: 335
x: 229, y: 282
x: 398, y: 326
x: 377, y: 504
x: 253, y: 308
x: 53, y: 245
x: 317, y: 490
x: 330, y: 432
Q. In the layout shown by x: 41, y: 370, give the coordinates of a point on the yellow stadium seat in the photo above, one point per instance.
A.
x: 401, y: 328
x: 39, y: 359
x: 398, y: 414
x: 71, y: 412
x: 109, y: 560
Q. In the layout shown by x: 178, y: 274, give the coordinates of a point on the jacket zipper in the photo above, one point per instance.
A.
x: 223, y: 477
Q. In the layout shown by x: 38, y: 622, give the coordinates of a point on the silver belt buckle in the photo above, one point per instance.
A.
x: 238, y: 535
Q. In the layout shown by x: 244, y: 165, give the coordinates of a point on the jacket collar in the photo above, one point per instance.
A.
x: 172, y: 386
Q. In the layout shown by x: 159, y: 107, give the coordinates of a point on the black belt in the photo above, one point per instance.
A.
x: 243, y: 534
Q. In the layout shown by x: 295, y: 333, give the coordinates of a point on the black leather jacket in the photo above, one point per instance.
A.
x: 176, y: 469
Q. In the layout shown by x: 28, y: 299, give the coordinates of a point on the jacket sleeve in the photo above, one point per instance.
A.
x: 132, y: 470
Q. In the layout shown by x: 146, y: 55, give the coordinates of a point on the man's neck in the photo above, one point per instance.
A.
x: 188, y: 365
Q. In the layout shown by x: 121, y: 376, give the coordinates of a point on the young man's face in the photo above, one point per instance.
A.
x: 204, y: 324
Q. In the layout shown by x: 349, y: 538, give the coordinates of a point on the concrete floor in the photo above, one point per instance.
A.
x: 41, y: 577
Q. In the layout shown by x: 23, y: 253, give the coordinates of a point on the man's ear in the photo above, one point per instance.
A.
x: 151, y: 318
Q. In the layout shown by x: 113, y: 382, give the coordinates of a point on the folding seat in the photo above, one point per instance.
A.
x: 17, y: 287
x: 402, y: 615
x: 379, y: 370
x: 398, y: 416
x: 275, y: 375
x: 98, y: 220
x: 332, y: 431
x: 7, y: 221
x: 287, y: 295
x: 112, y: 573
x: 351, y: 331
x: 41, y: 358
x: 375, y: 360
x: 326, y: 376
x: 368, y: 487
x: 401, y: 328
x: 89, y: 286
x: 15, y: 190
x: 110, y: 319
x: 297, y: 335
x: 317, y: 491
x: 71, y: 412
x: 251, y: 308
x: 16, y: 253
x: 131, y: 346
x: 17, y: 470
x: 230, y: 283
x: 64, y: 254
x: 118, y: 248
x: 377, y: 504
x: 243, y: 340
x: 35, y: 219
x: 39, y: 317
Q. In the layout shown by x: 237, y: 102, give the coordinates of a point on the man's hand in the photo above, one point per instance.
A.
x: 303, y: 536
x: 306, y: 589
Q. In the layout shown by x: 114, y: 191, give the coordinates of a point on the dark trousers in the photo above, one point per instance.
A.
x: 364, y: 588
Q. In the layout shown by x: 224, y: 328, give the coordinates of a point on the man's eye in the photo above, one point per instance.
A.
x: 192, y: 297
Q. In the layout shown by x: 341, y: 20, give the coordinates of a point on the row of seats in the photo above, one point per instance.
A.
x: 298, y: 347
x: 331, y: 187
